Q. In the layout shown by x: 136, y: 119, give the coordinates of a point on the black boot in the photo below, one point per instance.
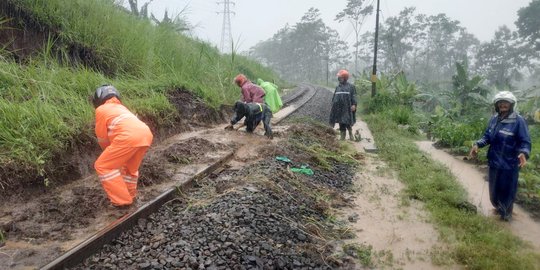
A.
x: 342, y: 134
x: 351, y: 137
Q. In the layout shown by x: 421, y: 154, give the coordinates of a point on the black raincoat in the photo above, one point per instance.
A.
x: 344, y: 98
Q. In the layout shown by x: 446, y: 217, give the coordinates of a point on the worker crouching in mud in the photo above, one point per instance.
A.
x: 124, y: 140
x: 254, y: 114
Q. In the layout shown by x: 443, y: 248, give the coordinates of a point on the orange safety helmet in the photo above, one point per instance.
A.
x: 343, y: 74
x: 240, y: 79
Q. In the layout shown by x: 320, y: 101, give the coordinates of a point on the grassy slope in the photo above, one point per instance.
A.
x: 44, y: 105
x: 476, y: 241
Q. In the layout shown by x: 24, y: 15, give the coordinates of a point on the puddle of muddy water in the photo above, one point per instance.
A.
x: 399, y: 233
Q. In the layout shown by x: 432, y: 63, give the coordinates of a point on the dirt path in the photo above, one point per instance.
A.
x: 397, y: 229
x: 472, y: 179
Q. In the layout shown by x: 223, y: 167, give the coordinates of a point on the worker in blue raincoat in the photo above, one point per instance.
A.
x: 509, y: 148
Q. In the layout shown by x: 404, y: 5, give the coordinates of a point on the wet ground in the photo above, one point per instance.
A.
x: 41, y: 225
x: 54, y: 222
x: 473, y: 180
x: 259, y: 216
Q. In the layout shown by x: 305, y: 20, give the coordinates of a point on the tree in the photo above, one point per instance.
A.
x: 528, y: 23
x: 503, y: 59
x: 134, y: 6
x: 355, y: 13
x: 179, y: 23
x: 424, y: 47
x: 306, y: 51
x: 176, y: 22
x: 467, y: 94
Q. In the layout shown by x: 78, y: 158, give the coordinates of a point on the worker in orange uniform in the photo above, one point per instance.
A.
x: 124, y: 140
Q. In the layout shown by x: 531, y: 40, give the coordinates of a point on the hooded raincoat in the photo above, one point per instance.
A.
x: 344, y: 98
x: 252, y: 93
x: 271, y: 96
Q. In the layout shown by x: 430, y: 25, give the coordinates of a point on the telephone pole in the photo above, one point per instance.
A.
x: 226, y: 32
x: 374, y: 74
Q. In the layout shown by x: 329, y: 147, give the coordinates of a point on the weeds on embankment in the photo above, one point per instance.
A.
x: 44, y: 100
x: 475, y: 241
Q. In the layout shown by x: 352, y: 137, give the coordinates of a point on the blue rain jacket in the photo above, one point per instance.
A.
x: 507, y: 138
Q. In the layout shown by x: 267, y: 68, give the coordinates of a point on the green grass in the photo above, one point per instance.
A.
x: 361, y: 252
x: 44, y: 104
x: 476, y: 241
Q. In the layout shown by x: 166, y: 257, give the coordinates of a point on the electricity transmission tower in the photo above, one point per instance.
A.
x: 226, y: 32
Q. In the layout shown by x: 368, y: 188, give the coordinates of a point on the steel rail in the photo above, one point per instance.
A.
x: 88, y: 247
x: 106, y: 235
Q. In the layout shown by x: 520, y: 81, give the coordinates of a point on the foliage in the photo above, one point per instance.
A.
x: 44, y: 104
x: 451, y: 133
x: 503, y: 59
x: 424, y: 47
x: 467, y: 94
x: 528, y: 23
x: 391, y: 92
x: 307, y: 51
x: 529, y: 180
x: 475, y: 240
x: 355, y: 13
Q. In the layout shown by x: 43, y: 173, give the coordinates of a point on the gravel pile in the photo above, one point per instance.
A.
x: 260, y: 217
x: 255, y: 225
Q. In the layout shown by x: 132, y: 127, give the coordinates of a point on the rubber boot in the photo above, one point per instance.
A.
x: 351, y: 137
x: 342, y: 134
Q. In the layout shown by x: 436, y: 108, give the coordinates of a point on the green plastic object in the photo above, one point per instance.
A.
x: 304, y: 169
x: 284, y: 159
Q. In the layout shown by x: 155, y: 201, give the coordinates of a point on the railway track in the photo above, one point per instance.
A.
x: 106, y: 235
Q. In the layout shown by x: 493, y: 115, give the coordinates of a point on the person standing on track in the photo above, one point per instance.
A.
x: 124, y: 140
x: 344, y: 105
x: 509, y: 148
x: 250, y: 92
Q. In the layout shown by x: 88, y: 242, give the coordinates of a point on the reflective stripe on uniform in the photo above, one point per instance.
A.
x: 343, y: 93
x: 509, y: 133
x: 119, y: 118
x: 108, y: 176
x: 129, y: 179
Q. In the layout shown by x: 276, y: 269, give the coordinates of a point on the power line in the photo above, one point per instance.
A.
x: 226, y: 31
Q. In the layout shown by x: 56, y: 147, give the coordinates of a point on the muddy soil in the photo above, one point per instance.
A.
x: 67, y: 215
x: 392, y: 231
x: 260, y: 216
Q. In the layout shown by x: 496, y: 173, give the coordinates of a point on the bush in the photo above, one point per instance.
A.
x: 452, y: 133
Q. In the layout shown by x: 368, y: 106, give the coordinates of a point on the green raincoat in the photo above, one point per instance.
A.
x: 271, y: 96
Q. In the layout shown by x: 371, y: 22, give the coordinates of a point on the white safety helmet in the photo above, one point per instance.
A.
x: 506, y: 96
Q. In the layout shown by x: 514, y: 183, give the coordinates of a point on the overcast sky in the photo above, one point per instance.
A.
x: 258, y: 20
